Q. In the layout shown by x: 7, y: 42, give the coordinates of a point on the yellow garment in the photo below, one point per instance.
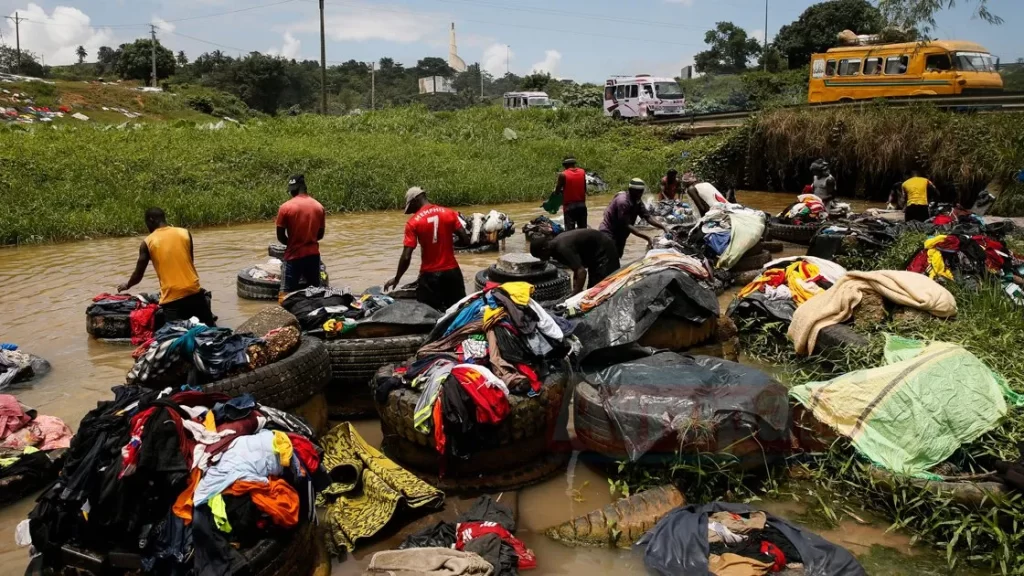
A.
x: 492, y: 316
x: 283, y: 448
x: 220, y: 513
x: 936, y: 265
x: 916, y: 190
x: 797, y: 277
x: 730, y: 564
x: 209, y: 423
x: 520, y: 292
x: 837, y: 304
x: 170, y: 250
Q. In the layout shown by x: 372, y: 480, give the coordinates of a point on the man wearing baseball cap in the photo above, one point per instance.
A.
x: 621, y: 214
x: 432, y: 228
x: 572, y: 186
x: 300, y: 227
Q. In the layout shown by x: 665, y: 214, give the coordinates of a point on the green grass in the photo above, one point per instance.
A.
x: 83, y: 182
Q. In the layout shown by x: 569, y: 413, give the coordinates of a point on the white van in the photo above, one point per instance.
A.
x: 523, y: 100
x: 642, y: 96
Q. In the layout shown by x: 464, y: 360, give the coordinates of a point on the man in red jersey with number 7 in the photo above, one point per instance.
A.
x: 432, y: 228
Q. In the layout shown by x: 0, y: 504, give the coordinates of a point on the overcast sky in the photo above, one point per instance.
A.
x: 586, y: 40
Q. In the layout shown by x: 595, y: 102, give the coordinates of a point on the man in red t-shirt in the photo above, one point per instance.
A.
x: 300, y: 227
x: 432, y: 227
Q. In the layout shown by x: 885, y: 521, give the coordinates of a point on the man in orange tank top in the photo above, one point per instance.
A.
x: 572, y: 183
x: 170, y: 250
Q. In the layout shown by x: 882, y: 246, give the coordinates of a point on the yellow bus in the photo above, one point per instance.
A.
x: 941, y: 67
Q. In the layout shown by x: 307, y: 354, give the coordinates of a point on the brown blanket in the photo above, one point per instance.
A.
x: 427, y: 562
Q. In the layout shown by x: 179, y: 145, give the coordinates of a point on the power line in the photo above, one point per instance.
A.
x: 147, y: 24
x: 236, y: 49
x: 574, y: 14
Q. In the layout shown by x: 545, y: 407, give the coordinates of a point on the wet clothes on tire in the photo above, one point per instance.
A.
x: 440, y: 290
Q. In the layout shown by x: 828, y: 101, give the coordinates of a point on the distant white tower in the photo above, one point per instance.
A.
x: 457, y: 64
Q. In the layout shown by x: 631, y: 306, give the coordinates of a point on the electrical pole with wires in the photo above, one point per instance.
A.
x: 152, y: 31
x: 480, y: 71
x: 17, y: 35
x: 764, y: 56
x: 506, y: 60
x: 373, y: 85
x: 323, y: 63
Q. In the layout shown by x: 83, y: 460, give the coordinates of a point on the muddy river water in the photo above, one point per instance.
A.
x: 44, y: 291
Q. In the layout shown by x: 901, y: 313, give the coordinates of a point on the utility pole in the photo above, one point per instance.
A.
x: 764, y: 55
x: 373, y: 85
x: 480, y: 71
x: 323, y: 63
x: 17, y: 36
x: 506, y: 59
x: 152, y: 31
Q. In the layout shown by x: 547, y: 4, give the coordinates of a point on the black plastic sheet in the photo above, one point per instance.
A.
x: 678, y: 544
x: 702, y: 399
x: 625, y: 317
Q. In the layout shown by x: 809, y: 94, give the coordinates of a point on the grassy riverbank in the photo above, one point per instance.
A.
x: 84, y: 181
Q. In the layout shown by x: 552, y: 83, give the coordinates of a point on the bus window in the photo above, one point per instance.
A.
x: 620, y: 92
x: 938, y: 63
x: 973, y: 62
x: 634, y: 91
x: 830, y: 68
x: 849, y: 67
x: 872, y: 66
x: 609, y: 92
x: 648, y: 91
x: 896, y: 64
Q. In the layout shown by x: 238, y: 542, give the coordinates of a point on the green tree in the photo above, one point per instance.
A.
x: 583, y: 96
x: 816, y: 30
x: 730, y: 48
x: 536, y: 82
x: 81, y: 53
x: 432, y: 66
x: 30, y: 65
x: 135, y: 61
x: 181, y: 58
x: 920, y: 14
x: 468, y: 82
x: 776, y: 61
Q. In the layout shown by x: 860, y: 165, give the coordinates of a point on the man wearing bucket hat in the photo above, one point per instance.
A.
x: 703, y: 195
x: 621, y: 214
x: 300, y: 227
x: 440, y: 282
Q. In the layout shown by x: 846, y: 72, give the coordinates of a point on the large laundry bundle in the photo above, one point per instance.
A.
x: 944, y: 255
x: 917, y: 409
x: 330, y: 312
x: 143, y: 311
x: 542, y: 226
x: 486, y: 348
x: 29, y: 444
x: 179, y: 483
x: 487, y: 228
x: 673, y: 212
x: 726, y: 233
x: 861, y: 235
x: 784, y: 285
x: 808, y: 208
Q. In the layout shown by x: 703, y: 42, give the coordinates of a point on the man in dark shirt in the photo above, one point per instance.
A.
x: 300, y: 227
x: 591, y: 255
x: 621, y: 214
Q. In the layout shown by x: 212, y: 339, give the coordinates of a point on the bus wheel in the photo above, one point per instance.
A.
x: 617, y: 115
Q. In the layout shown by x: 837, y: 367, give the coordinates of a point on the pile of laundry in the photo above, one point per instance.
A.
x: 31, y: 447
x: 783, y: 286
x: 171, y: 483
x: 329, y: 313
x: 726, y: 233
x: 17, y: 366
x: 864, y: 235
x: 479, y: 543
x: 954, y: 257
x: 127, y: 113
x: 195, y: 354
x: 487, y: 228
x: 673, y: 212
x: 541, y: 226
x: 809, y: 208
x: 269, y: 271
x: 143, y: 311
x: 736, y: 540
x: 486, y: 348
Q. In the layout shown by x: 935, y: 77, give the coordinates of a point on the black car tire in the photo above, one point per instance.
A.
x: 250, y: 288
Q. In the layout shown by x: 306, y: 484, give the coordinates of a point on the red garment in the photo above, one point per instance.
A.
x: 942, y: 220
x: 306, y: 451
x: 525, y: 370
x: 12, y: 416
x: 439, y: 438
x: 466, y: 531
x: 768, y: 548
x: 130, y: 451
x: 142, y: 349
x: 994, y: 261
x: 433, y: 228
x: 919, y: 263
x: 114, y: 297
x: 143, y: 322
x: 491, y: 402
x: 575, y: 190
x: 303, y: 218
x: 244, y: 427
x: 194, y: 398
x: 808, y: 189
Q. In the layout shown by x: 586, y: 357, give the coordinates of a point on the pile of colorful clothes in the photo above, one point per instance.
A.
x: 673, y: 212
x: 143, y: 311
x: 784, y: 285
x: 541, y: 226
x: 947, y: 255
x: 726, y: 233
x: 482, y: 540
x: 178, y: 483
x: 808, y: 208
x: 193, y: 353
x: 30, y: 448
x: 487, y: 228
x: 326, y: 312
x: 489, y: 346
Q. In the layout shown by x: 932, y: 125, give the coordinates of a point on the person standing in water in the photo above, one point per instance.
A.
x: 918, y: 191
x: 301, y: 223
x: 572, y: 184
x: 669, y: 187
x: 824, y: 184
x: 171, y: 251
x: 621, y: 214
x: 432, y: 228
x: 703, y: 195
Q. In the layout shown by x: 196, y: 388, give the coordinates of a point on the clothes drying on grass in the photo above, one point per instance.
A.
x: 917, y: 409
x: 838, y: 303
x: 783, y: 285
x: 949, y: 256
x: 367, y: 489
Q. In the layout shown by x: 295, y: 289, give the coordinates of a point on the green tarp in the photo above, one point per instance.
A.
x: 917, y: 409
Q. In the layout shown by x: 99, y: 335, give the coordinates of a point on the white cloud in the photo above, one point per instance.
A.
x: 495, y: 59
x: 683, y: 2
x: 56, y: 36
x: 757, y: 34
x: 552, y: 58
x: 163, y: 25
x: 291, y: 49
x: 364, y: 21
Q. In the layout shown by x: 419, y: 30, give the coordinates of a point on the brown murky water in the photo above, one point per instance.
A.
x: 44, y: 291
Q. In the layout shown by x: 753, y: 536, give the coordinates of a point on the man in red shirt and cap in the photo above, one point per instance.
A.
x: 432, y: 227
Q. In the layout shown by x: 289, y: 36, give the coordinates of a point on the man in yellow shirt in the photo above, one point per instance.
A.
x: 918, y: 191
x: 170, y: 250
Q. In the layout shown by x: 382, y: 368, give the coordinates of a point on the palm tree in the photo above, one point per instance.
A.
x: 182, y: 58
x: 81, y: 53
